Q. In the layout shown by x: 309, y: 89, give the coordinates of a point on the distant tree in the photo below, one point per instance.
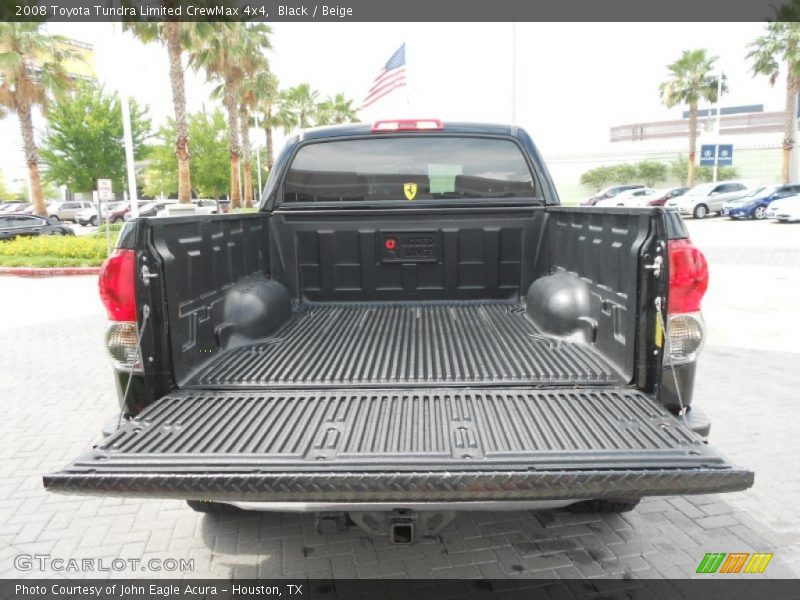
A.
x: 176, y: 37
x: 781, y: 45
x: 301, y: 102
x: 624, y: 173
x: 336, y: 110
x: 208, y: 147
x: 252, y: 86
x: 678, y: 169
x: 5, y: 193
x: 650, y: 171
x: 211, y: 153
x: 692, y: 79
x: 32, y: 74
x: 597, y: 178
x: 84, y: 140
x: 229, y: 54
x: 161, y: 174
x: 266, y: 85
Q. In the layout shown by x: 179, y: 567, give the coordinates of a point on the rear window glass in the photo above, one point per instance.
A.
x: 408, y: 169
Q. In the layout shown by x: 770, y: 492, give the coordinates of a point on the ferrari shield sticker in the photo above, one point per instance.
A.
x: 411, y: 190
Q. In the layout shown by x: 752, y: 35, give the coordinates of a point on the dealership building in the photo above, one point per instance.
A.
x: 756, y: 137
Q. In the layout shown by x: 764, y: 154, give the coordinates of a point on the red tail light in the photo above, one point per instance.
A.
x: 118, y: 285
x: 688, y: 276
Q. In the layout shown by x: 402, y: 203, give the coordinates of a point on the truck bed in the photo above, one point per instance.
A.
x: 435, y: 344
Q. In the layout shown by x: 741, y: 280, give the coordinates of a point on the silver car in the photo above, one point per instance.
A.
x: 67, y: 211
x: 707, y: 198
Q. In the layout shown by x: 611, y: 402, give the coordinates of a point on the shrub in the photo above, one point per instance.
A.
x: 114, y: 227
x: 58, y: 250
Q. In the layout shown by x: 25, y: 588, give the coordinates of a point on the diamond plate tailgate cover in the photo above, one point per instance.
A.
x: 404, y: 446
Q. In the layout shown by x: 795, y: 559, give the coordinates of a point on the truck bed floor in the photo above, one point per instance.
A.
x: 407, y: 345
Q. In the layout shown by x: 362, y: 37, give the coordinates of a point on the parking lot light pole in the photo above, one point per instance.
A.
x: 719, y: 128
x: 127, y: 137
x: 126, y: 132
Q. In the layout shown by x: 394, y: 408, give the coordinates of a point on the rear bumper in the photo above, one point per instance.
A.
x: 407, y: 487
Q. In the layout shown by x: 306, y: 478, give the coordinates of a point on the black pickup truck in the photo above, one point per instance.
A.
x: 409, y: 326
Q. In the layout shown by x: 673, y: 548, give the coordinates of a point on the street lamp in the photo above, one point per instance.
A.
x: 718, y: 127
x: 122, y: 89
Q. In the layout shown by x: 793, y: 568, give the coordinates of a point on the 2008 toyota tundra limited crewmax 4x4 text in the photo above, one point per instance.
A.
x: 410, y: 326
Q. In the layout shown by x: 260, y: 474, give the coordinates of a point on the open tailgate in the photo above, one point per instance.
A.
x: 403, y: 446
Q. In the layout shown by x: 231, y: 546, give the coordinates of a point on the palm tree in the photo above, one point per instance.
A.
x: 32, y: 73
x: 227, y: 56
x: 301, y: 100
x: 286, y: 116
x: 267, y: 99
x: 177, y: 37
x: 691, y: 79
x: 336, y: 110
x: 255, y: 64
x: 781, y: 44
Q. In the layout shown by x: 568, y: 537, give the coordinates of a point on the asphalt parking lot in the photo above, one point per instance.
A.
x: 57, y: 391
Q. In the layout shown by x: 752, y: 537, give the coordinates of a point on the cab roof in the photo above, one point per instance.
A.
x: 360, y: 129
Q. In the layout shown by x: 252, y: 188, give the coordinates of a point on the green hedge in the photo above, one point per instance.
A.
x: 53, y: 251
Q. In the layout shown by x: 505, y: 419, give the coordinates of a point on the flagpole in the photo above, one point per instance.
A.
x: 408, y: 78
x: 513, y: 72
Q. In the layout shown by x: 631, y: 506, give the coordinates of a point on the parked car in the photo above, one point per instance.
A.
x: 67, y: 211
x: 87, y: 216
x: 634, y: 197
x: 346, y: 350
x: 707, y: 198
x: 786, y: 209
x: 662, y: 199
x: 201, y: 207
x: 9, y: 207
x: 755, y: 204
x: 118, y: 210
x: 151, y: 209
x: 16, y: 224
x: 609, y: 192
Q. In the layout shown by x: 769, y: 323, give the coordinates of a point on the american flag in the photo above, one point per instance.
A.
x: 391, y: 77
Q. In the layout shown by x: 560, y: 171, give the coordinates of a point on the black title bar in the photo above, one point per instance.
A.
x: 743, y: 588
x: 401, y: 10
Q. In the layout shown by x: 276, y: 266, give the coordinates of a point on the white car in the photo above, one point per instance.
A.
x: 785, y: 209
x: 707, y: 198
x: 196, y: 207
x: 87, y: 216
x: 638, y: 197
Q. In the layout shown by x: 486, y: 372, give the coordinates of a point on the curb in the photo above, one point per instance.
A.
x: 48, y: 271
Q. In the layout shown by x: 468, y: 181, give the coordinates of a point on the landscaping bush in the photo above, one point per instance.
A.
x: 53, y: 251
x: 115, y: 229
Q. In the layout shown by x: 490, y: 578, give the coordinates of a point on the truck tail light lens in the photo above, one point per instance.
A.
x: 688, y: 277
x: 686, y: 334
x: 407, y: 125
x: 122, y: 343
x: 118, y: 285
x: 688, y: 282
